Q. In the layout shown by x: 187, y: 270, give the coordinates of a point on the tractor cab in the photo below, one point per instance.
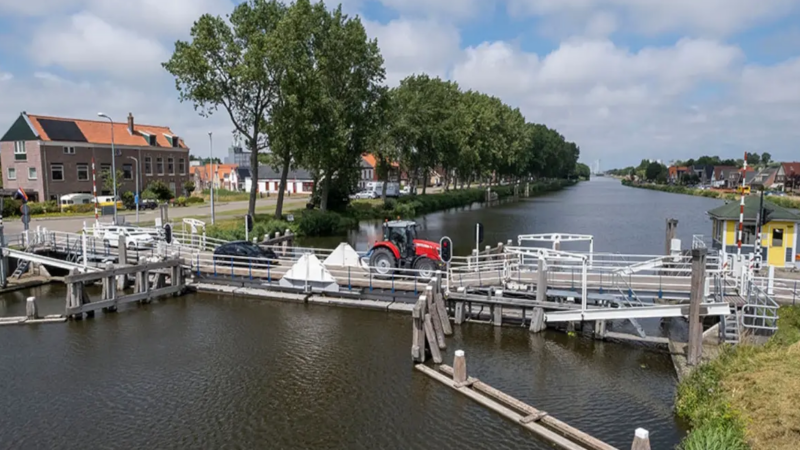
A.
x: 401, y: 250
x: 402, y: 233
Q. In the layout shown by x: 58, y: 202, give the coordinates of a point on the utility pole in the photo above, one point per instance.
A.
x: 136, y: 198
x: 211, y: 173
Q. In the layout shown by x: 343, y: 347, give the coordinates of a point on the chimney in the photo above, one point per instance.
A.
x: 130, y: 123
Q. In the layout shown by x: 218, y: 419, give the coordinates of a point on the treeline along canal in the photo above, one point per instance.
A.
x: 208, y: 371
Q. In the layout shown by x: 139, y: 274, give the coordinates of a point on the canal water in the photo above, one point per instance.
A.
x: 209, y: 371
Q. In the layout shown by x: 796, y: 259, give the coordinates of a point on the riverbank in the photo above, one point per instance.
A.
x: 312, y: 222
x: 747, y: 398
x: 786, y: 202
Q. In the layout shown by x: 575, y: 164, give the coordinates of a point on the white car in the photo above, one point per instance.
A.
x: 134, y: 238
x: 364, y: 194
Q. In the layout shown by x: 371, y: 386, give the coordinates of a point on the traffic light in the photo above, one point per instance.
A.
x: 248, y: 221
x: 446, y: 249
x: 168, y: 233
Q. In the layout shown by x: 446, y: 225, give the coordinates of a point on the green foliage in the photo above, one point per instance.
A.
x: 84, y: 208
x: 788, y: 326
x: 180, y: 201
x: 314, y: 222
x: 583, y: 171
x: 711, y: 437
x: 189, y: 187
x: 160, y: 190
x: 128, y: 200
x: 194, y: 200
x: 148, y: 194
x: 11, y: 207
x: 108, y: 180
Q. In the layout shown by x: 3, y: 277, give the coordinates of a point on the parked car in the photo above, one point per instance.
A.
x: 240, y: 252
x: 135, y: 238
x: 148, y: 204
x: 365, y: 194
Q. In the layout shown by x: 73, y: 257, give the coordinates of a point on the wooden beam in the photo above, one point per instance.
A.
x: 531, y: 413
x: 542, y: 432
x: 432, y: 343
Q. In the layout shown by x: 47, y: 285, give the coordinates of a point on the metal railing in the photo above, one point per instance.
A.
x: 760, y: 311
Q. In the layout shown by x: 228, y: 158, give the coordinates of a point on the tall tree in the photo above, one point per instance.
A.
x: 766, y: 158
x: 229, y: 64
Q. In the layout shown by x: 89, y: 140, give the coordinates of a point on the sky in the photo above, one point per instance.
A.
x: 624, y: 79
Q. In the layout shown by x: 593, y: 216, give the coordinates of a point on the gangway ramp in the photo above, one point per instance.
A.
x: 659, y: 311
x: 651, y: 264
x: 47, y: 261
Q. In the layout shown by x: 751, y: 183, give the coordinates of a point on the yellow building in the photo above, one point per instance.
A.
x: 778, y: 233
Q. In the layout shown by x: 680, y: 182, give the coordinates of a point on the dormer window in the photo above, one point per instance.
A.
x: 152, y: 140
x: 175, y: 141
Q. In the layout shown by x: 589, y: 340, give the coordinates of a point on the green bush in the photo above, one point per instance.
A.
x: 129, y: 200
x: 160, y: 190
x: 180, y: 201
x: 85, y: 208
x: 314, y: 222
x: 194, y: 200
x: 11, y: 207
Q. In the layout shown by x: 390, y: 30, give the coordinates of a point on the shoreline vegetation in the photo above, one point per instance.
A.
x: 313, y: 222
x: 748, y: 397
x: 785, y: 202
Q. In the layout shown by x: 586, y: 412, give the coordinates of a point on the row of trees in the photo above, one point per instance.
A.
x: 753, y: 160
x: 307, y: 83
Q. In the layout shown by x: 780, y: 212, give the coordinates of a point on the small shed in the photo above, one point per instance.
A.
x: 778, y: 233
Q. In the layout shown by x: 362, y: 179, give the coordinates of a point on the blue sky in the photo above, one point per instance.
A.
x: 624, y: 79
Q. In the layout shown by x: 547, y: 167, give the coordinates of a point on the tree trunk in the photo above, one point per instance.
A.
x: 251, y: 206
x: 425, y: 176
x: 287, y: 161
x: 326, y: 188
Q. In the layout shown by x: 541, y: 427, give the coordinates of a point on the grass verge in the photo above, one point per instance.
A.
x: 786, y: 202
x: 747, y: 398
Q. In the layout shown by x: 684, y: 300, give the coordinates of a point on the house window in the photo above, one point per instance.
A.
x: 127, y: 171
x: 182, y: 166
x: 148, y: 165
x: 749, y: 237
x: 83, y: 172
x: 175, y: 141
x: 12, y: 173
x: 32, y: 175
x: 160, y: 166
x: 20, y: 152
x: 151, y: 139
x: 777, y: 237
x: 171, y: 166
x: 57, y: 172
x: 69, y: 150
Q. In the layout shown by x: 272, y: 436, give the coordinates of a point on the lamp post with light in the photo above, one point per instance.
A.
x: 113, y: 163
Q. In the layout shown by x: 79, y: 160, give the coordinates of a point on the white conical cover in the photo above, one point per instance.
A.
x: 344, y: 256
x: 309, y: 268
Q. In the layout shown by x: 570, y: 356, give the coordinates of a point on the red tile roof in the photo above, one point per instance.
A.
x: 99, y: 132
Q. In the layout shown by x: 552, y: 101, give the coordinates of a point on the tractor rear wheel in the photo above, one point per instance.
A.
x: 425, y: 267
x: 382, y: 261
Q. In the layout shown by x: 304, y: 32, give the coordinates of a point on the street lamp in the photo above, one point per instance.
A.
x: 113, y: 164
x: 136, y: 198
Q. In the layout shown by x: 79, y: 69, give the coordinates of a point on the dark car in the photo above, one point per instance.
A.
x: 148, y: 204
x: 240, y: 252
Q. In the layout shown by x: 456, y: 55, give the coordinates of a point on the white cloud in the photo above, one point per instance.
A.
x: 5, y: 76
x: 448, y: 9
x: 415, y: 46
x: 88, y: 43
x: 616, y: 103
x: 161, y: 17
x: 49, y: 94
x: 717, y: 17
x: 37, y: 7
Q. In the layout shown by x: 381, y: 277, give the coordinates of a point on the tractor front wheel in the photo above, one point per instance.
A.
x: 425, y: 267
x: 382, y: 261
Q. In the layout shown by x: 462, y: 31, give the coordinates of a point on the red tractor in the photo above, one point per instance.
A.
x: 400, y: 249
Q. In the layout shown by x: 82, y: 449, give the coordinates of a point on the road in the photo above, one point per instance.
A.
x: 224, y: 210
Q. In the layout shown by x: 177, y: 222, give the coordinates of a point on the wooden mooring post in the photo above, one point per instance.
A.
x: 539, y: 422
x: 641, y: 440
x: 672, y: 226
x: 695, y: 348
x: 430, y: 324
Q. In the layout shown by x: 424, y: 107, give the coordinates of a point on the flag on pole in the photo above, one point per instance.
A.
x: 21, y: 193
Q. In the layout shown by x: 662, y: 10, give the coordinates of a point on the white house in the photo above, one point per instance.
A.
x: 298, y: 182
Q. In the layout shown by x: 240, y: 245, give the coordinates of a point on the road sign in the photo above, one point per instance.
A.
x: 25, y: 209
x: 136, y: 198
x: 446, y: 249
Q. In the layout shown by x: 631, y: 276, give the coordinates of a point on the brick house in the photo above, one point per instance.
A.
x: 52, y: 156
